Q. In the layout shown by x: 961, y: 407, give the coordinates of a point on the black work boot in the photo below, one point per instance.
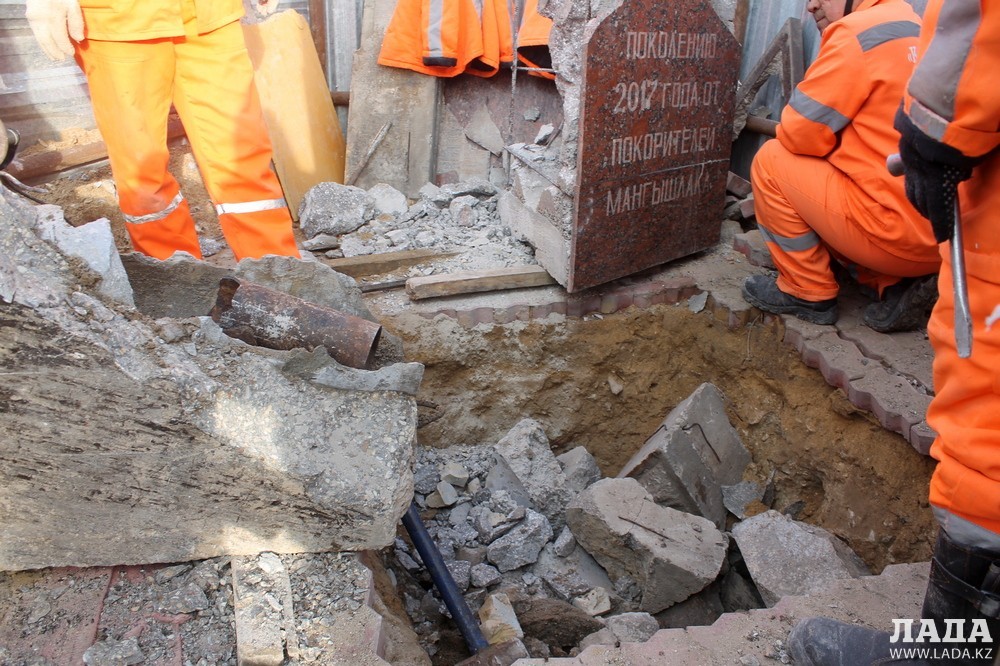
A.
x: 904, y: 306
x: 963, y: 587
x: 762, y: 292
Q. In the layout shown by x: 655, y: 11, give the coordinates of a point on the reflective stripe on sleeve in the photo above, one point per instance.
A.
x: 818, y: 112
x: 806, y: 241
x: 929, y: 122
x: 935, y: 79
x: 435, y: 18
x: 249, y: 206
x: 157, y: 216
x: 886, y: 32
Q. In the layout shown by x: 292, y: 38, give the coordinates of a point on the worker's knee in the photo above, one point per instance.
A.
x: 762, y: 169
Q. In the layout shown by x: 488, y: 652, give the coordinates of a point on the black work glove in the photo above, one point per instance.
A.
x: 932, y: 171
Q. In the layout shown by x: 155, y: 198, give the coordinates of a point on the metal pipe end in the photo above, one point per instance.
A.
x: 224, y: 300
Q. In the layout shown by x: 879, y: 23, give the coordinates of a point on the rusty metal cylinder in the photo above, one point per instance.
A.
x: 269, y: 318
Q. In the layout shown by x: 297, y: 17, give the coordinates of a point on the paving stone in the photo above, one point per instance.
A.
x: 897, y: 405
x: 840, y: 361
x: 752, y: 245
x: 921, y: 436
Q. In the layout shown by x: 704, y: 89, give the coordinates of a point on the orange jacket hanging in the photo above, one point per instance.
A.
x: 450, y: 37
x: 533, y: 40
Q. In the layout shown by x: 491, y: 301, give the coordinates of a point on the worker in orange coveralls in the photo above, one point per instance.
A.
x: 950, y: 129
x: 139, y: 58
x: 822, y: 191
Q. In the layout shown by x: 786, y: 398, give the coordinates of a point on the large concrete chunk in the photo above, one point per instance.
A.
x: 92, y: 243
x: 526, y: 449
x: 695, y: 452
x: 787, y: 557
x: 669, y: 554
x: 119, y: 448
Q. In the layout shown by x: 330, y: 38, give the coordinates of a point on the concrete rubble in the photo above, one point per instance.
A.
x: 694, y: 453
x: 238, y: 449
x: 457, y: 215
x: 627, y: 562
x: 543, y: 547
x: 788, y: 557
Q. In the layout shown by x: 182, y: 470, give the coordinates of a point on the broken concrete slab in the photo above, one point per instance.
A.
x: 182, y: 286
x: 184, y: 450
x: 406, y: 120
x: 632, y: 627
x: 526, y: 449
x: 580, y: 469
x: 573, y: 575
x: 498, y: 620
x: 332, y: 208
x: 262, y: 600
x: 669, y: 554
x: 696, y: 451
x: 788, y: 557
x: 502, y: 477
x: 92, y: 243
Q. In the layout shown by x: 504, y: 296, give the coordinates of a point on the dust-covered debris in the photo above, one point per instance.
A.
x: 459, y: 217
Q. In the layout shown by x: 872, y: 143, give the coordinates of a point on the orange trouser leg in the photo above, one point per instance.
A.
x: 131, y: 87
x: 965, y: 411
x: 217, y: 101
x: 803, y: 206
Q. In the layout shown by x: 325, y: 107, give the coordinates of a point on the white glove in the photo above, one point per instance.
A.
x: 55, y: 23
x: 266, y: 7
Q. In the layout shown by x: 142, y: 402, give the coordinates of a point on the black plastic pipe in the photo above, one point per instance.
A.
x: 445, y: 584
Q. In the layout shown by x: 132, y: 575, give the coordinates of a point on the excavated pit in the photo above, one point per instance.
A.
x: 606, y: 383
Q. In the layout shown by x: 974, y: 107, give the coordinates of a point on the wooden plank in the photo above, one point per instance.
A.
x: 377, y: 264
x: 468, y: 282
x: 43, y: 163
x: 309, y: 147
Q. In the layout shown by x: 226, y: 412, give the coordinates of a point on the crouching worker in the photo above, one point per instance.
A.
x: 821, y: 189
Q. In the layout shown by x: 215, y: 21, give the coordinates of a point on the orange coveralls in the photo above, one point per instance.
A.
x: 953, y: 98
x: 140, y: 59
x: 822, y: 187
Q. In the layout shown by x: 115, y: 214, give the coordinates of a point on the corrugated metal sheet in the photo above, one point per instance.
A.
x: 38, y: 97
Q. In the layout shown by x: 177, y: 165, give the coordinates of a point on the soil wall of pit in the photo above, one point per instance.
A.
x: 607, y: 382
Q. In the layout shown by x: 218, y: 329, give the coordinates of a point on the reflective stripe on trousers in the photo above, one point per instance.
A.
x: 803, y: 209
x: 209, y: 80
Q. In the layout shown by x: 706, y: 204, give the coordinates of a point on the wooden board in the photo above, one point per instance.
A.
x: 377, y: 264
x: 468, y: 282
x: 309, y: 146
